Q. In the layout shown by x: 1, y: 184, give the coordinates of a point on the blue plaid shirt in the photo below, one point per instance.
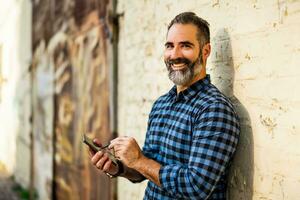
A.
x: 193, y: 135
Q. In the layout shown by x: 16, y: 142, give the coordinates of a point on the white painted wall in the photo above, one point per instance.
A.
x: 15, y: 108
x: 254, y: 60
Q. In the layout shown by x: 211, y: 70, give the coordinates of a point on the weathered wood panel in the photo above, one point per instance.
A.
x: 75, y: 36
x: 82, y: 107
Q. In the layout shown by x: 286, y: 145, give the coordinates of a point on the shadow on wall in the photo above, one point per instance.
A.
x: 240, y: 180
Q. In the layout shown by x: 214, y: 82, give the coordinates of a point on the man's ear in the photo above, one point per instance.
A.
x: 206, y: 51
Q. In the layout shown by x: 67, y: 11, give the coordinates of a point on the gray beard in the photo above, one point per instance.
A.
x: 185, y: 76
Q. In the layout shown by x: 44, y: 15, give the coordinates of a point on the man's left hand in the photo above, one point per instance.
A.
x: 127, y: 150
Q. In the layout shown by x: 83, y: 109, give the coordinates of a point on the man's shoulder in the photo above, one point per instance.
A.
x: 161, y: 100
x: 212, y: 96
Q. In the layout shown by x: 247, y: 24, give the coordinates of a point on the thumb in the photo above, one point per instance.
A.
x: 97, y: 142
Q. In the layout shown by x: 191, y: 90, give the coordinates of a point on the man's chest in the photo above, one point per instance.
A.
x: 171, y: 133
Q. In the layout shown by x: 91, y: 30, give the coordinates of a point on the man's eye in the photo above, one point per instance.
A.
x: 168, y: 46
x: 186, y: 46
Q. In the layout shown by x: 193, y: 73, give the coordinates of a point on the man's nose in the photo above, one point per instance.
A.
x: 176, y: 53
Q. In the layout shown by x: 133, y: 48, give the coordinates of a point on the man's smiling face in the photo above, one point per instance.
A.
x: 182, y: 53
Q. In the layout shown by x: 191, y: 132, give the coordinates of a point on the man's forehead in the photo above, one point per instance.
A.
x: 182, y: 32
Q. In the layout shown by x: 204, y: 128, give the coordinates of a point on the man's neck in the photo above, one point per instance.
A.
x: 198, y: 77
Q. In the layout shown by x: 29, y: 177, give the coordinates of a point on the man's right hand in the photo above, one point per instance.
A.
x: 101, y: 160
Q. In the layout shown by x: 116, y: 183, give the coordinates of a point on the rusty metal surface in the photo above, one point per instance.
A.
x: 75, y: 36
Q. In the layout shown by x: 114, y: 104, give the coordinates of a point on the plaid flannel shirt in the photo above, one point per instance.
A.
x: 193, y: 135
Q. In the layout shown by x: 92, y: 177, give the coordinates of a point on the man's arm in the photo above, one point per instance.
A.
x: 214, y: 141
x: 142, y: 169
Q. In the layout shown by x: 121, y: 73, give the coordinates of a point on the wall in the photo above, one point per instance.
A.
x: 15, y: 105
x: 54, y: 86
x: 254, y: 61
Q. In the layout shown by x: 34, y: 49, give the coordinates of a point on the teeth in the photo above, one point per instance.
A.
x: 179, y: 66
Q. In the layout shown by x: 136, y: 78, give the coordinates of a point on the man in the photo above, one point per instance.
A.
x: 192, y: 130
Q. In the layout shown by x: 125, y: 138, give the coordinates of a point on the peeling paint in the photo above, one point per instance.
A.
x: 269, y: 123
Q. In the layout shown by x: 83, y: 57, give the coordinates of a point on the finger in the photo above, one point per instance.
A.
x: 97, y: 142
x: 119, y: 154
x: 97, y: 157
x: 121, y: 138
x: 91, y: 152
x: 117, y: 147
x: 107, y: 165
x: 101, y: 162
x: 117, y: 142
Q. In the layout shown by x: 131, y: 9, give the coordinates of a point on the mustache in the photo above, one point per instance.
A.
x: 178, y: 60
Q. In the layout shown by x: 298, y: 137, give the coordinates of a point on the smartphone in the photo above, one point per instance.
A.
x: 88, y: 141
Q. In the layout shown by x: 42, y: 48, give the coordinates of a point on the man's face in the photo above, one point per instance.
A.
x: 182, y: 53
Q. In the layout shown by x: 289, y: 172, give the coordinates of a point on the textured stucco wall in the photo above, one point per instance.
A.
x: 15, y: 110
x: 254, y: 60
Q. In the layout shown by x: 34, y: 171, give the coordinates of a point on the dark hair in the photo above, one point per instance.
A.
x: 202, y: 25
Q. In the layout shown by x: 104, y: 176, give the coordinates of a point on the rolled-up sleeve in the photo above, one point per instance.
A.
x: 214, y: 140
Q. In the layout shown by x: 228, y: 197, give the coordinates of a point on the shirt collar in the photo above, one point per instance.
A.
x: 190, y: 91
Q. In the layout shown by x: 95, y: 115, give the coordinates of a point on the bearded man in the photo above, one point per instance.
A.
x: 192, y: 131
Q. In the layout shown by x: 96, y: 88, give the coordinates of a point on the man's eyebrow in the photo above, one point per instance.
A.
x: 187, y: 43
x: 168, y: 43
x: 182, y: 42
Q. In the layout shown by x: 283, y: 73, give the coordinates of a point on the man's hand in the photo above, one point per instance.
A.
x: 101, y: 160
x: 127, y: 150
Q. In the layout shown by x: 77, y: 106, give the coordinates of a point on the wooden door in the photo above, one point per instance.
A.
x: 82, y: 103
x: 71, y: 39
